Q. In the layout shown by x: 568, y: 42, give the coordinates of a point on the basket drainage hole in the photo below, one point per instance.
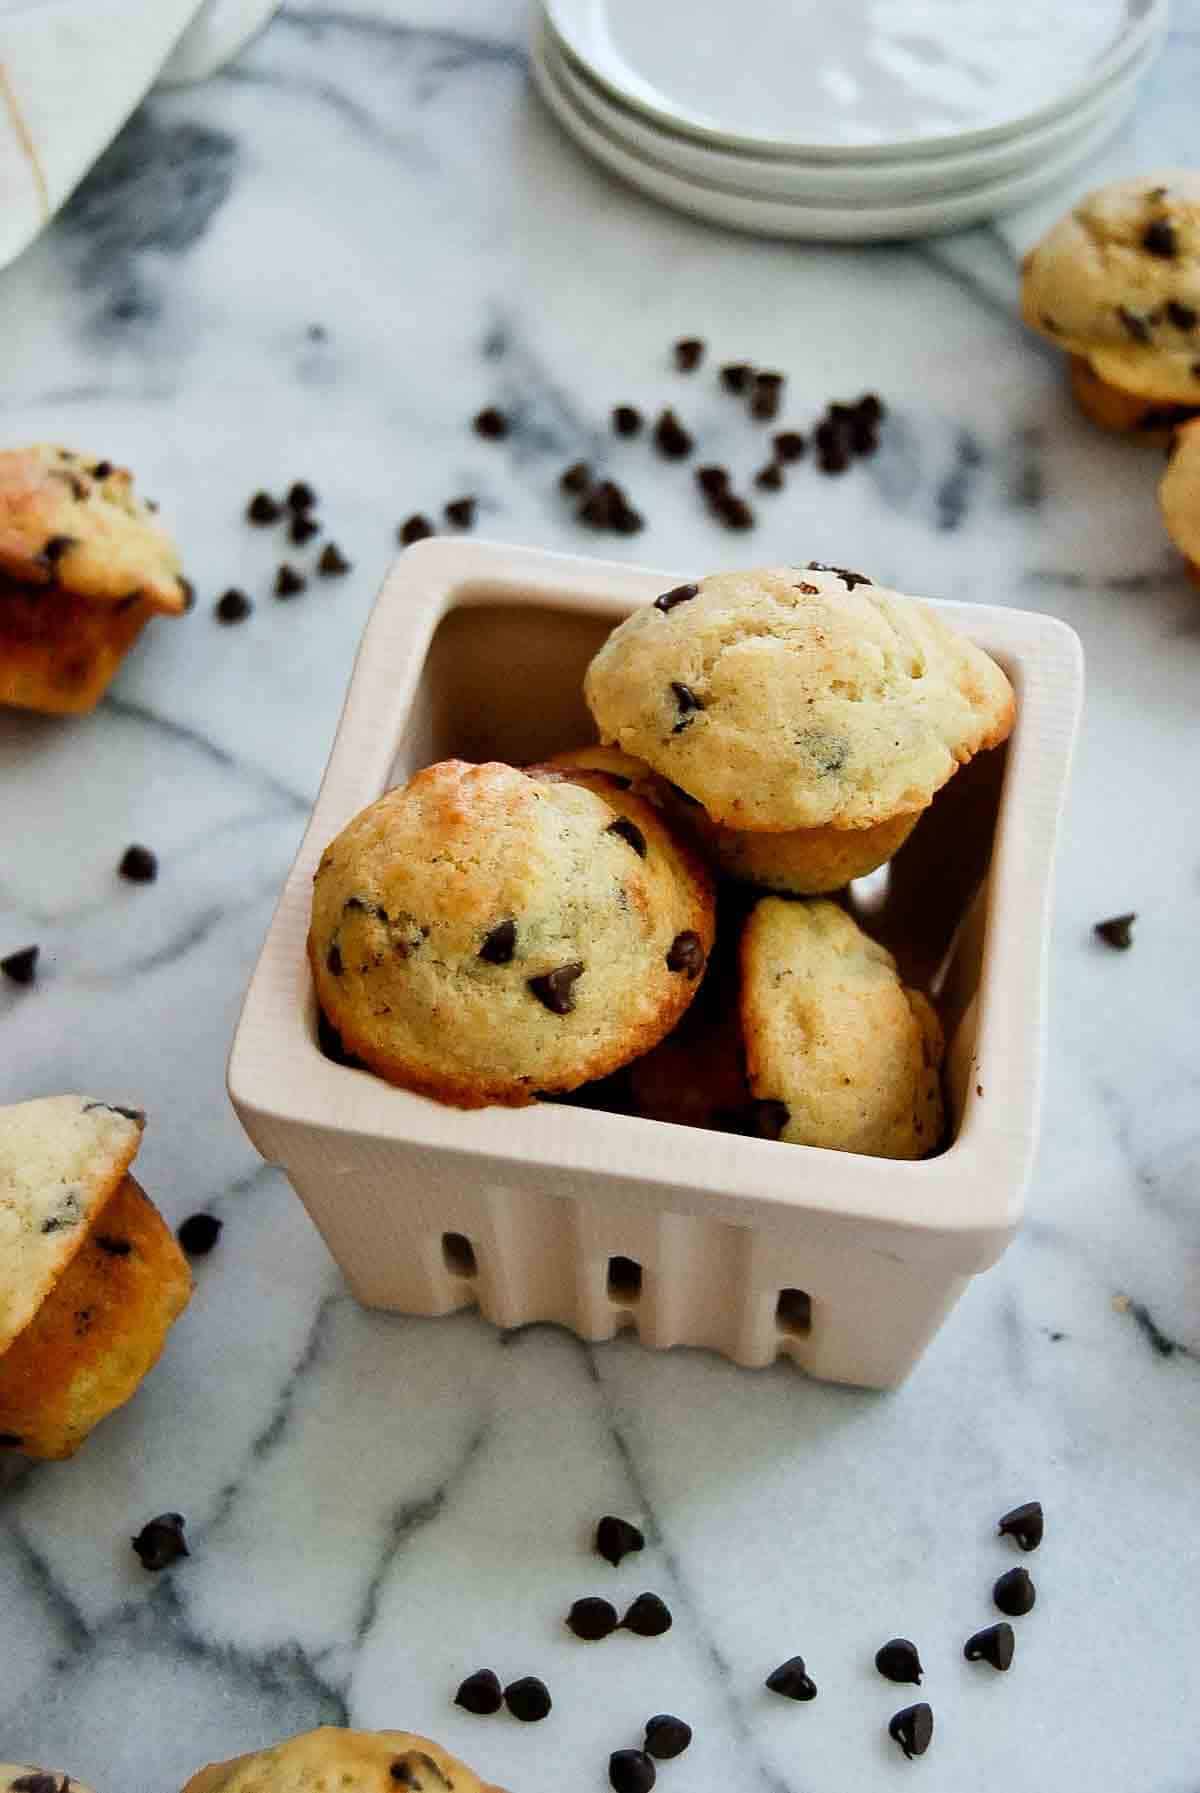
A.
x: 459, y: 1255
x: 793, y: 1313
x: 624, y: 1280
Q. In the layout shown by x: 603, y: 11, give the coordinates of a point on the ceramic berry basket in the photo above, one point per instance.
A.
x: 599, y: 1221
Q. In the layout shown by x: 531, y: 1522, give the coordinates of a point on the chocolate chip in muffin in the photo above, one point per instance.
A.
x: 897, y: 1660
x: 67, y: 1215
x: 647, y: 1617
x: 616, y: 1539
x: 1159, y: 239
x: 1014, y: 1593
x: 333, y: 961
x: 1182, y: 316
x: 1136, y: 326
x: 554, y: 988
x: 770, y: 477
x: 789, y: 445
x: 56, y: 548
x: 626, y: 420
x: 262, y: 508
x: 805, y: 586
x: 667, y: 1736
x: 414, y: 529
x: 329, y: 1041
x: 481, y: 1693
x: 332, y: 563
x: 288, y: 581
x: 460, y: 512
x: 11, y: 1441
x: 792, y: 1680
x: 161, y: 1542
x: 500, y: 944
x: 994, y: 1644
x: 302, y: 528
x: 712, y: 481
x: 491, y: 423
x: 528, y: 1699
x: 233, y: 606
x: 736, y: 376
x: 678, y: 594
x: 670, y: 437
x: 1025, y: 1524
x: 21, y: 967
x: 912, y: 1729
x: 198, y: 1234
x: 631, y: 1771
x: 102, y: 470
x: 734, y: 512
x: 591, y: 1619
x: 687, y: 704
x: 630, y: 832
x: 686, y: 954
x: 848, y: 579
x: 301, y: 496
x: 576, y: 478
x: 139, y: 865
x: 1117, y: 931
x: 113, y: 1248
x: 689, y: 353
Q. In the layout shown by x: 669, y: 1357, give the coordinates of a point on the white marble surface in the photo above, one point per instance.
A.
x: 378, y: 1506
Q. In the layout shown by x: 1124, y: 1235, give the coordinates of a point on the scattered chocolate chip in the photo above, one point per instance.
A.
x: 461, y: 512
x: 139, y: 865
x: 481, y: 1693
x: 491, y: 423
x: 626, y: 420
x: 591, y: 1619
x: 863, y: 435
x: 1159, y: 239
x: 770, y: 477
x: 831, y: 449
x: 736, y: 376
x: 38, y: 1782
x: 332, y: 563
x: 1135, y: 326
x: 114, y: 1248
x: 1014, y: 1593
x: 872, y: 406
x: 631, y: 1771
x: 301, y: 529
x: 897, y: 1660
x: 792, y: 1680
x: 500, y: 943
x: 629, y: 831
x: 734, y: 512
x: 647, y: 1617
x: 262, y: 508
x: 765, y: 396
x: 628, y: 521
x: 161, y: 1542
x: 554, y: 988
x: 607, y: 507
x: 912, y: 1729
x: 686, y: 954
x: 1182, y: 316
x: 790, y: 445
x: 21, y: 967
x: 1024, y: 1524
x: 55, y: 548
x: 288, y: 581
x: 528, y: 1699
x: 687, y: 704
x: 689, y: 353
x: 198, y: 1234
x: 233, y: 606
x: 1117, y: 931
x: 670, y: 437
x: 617, y: 1539
x: 995, y: 1644
x: 11, y: 1441
x: 667, y: 1736
x: 678, y: 594
x: 301, y: 496
x: 577, y: 477
x: 848, y: 579
x: 414, y: 529
x: 712, y: 481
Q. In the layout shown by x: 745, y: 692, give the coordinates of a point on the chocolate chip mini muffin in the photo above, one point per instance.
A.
x: 481, y: 934
x: 1116, y: 285
x: 838, y: 1052
x: 83, y: 565
x: 16, y: 1777
x: 331, y: 1760
x: 90, y: 1277
x: 1179, y: 496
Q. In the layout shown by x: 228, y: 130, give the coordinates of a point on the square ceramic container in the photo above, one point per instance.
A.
x: 598, y: 1221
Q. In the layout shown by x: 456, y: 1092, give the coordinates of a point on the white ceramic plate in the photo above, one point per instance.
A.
x: 797, y: 179
x: 852, y: 77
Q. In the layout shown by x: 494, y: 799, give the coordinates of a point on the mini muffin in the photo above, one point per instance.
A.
x: 83, y: 565
x: 90, y: 1278
x: 1116, y: 284
x: 798, y: 698
x: 16, y: 1777
x: 482, y: 935
x: 1179, y: 496
x: 331, y: 1760
x: 839, y: 1053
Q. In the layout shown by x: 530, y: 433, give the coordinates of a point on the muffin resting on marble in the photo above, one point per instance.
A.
x: 483, y: 935
x: 331, y: 1760
x: 83, y: 565
x: 1179, y: 496
x: 90, y: 1277
x: 22, y: 1777
x: 1116, y: 285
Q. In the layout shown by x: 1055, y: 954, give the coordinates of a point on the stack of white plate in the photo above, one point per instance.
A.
x: 844, y: 119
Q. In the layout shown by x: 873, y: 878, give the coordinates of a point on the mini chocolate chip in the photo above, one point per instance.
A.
x: 912, y: 1729
x: 670, y: 437
x: 626, y: 420
x: 872, y: 406
x: 301, y: 496
x: 687, y: 704
x: 139, y: 865
x: 302, y: 528
x: 102, y: 470
x: 848, y: 579
x: 627, y: 521
x: 115, y: 1248
x: 414, y: 529
x: 995, y: 1644
x: 481, y: 1693
x: 790, y: 445
x: 262, y: 508
x: 233, y: 606
x: 1117, y: 931
x: 734, y: 512
x: 288, y: 581
x: 1159, y: 239
x: 770, y: 477
x: 333, y: 961
x: 897, y: 1660
x: 11, y: 1441
x: 500, y: 944
x: 686, y: 954
x: 602, y: 505
x: 1025, y: 1524
x: 21, y: 967
x: 528, y: 1699
x: 647, y: 1617
x: 591, y: 1619
x: 491, y: 423
x: 1182, y: 316
x: 712, y: 480
x: 831, y: 455
x: 631, y: 1771
x: 617, y: 1539
x: 1014, y: 1593
x: 56, y: 547
x: 553, y: 989
x: 667, y: 1736
x: 1136, y: 327
x: 678, y: 594
x: 332, y: 563
x: 792, y: 1680
x: 198, y: 1234
x: 461, y: 512
x: 689, y: 353
x: 629, y: 831
x: 765, y: 396
x: 576, y: 478
x: 161, y: 1542
x: 736, y: 376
